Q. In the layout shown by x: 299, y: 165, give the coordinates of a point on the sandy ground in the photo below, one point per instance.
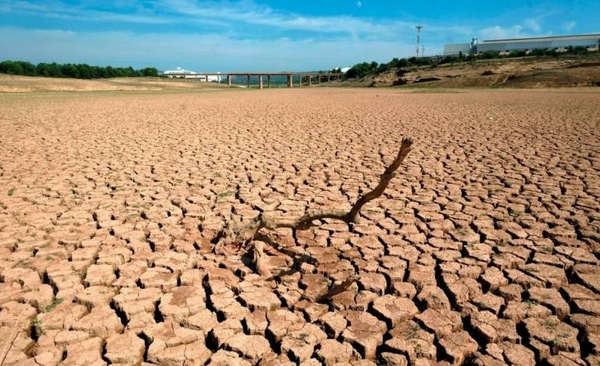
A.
x: 28, y: 84
x: 484, y: 248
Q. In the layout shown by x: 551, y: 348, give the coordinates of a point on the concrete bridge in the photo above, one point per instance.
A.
x: 302, y: 78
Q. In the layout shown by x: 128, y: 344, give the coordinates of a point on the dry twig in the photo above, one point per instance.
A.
x: 245, y: 234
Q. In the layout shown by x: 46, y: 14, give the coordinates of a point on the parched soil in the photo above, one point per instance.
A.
x: 28, y: 84
x: 484, y: 248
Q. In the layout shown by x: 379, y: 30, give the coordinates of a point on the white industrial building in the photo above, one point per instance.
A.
x: 590, y: 41
x: 187, y: 74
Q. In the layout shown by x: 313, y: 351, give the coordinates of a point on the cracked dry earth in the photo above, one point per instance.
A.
x: 484, y: 248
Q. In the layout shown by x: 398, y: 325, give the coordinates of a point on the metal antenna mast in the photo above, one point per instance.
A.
x: 419, y: 27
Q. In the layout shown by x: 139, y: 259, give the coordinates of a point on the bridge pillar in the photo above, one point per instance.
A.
x: 300, y: 80
x: 229, y: 80
x: 309, y: 79
x: 269, y: 81
x: 260, y: 82
x: 248, y: 80
x: 290, y: 81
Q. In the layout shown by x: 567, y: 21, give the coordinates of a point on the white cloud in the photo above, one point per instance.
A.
x: 227, y: 35
x: 533, y: 25
x: 498, y: 32
x: 229, y: 16
x: 569, y: 26
x: 210, y: 52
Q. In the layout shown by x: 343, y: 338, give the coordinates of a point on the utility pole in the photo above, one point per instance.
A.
x: 419, y: 27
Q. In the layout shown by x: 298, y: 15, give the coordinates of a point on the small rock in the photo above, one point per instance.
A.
x: 433, y: 297
x: 365, y: 332
x: 101, y: 322
x: 227, y: 358
x: 374, y: 282
x: 550, y: 298
x: 492, y: 329
x: 159, y: 277
x: 334, y: 324
x: 489, y: 301
x: 84, y: 353
x: 421, y: 276
x: 100, y: 275
x: 395, y: 309
x: 458, y: 346
x: 182, y: 302
x: 511, y: 292
x: 442, y: 323
x: 314, y: 284
x: 223, y: 331
x: 332, y: 352
x: 282, y: 321
x: 410, y: 339
x: 517, y: 311
x: 256, y: 322
x: 558, y: 335
x: 403, y: 289
x: 517, y: 354
x: 126, y: 348
x: 180, y: 355
x: 204, y: 320
x: 312, y: 311
x: 493, y: 279
x: 392, y: 359
x: 300, y: 344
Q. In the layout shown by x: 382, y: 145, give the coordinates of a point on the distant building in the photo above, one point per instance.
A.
x: 559, y: 43
x: 342, y: 69
x: 187, y: 74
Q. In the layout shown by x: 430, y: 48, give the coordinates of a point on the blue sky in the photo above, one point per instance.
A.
x: 275, y: 35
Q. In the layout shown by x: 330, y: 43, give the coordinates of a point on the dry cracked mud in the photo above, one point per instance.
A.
x: 484, y: 248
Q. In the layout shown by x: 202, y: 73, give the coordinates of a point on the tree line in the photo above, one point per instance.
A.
x: 75, y: 71
x: 368, y: 68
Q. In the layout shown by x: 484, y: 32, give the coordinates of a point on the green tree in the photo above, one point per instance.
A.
x: 28, y: 68
x: 538, y: 52
x: 69, y: 71
x: 402, y: 63
x: 85, y: 72
x: 490, y: 55
x: 361, y: 70
x: 111, y: 72
x: 11, y: 68
x: 579, y: 50
x: 47, y: 70
x: 517, y: 53
x: 149, y: 71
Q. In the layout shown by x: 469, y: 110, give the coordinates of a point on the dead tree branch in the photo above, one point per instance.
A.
x: 246, y: 233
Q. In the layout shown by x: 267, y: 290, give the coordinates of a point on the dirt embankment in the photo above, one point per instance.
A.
x: 26, y: 84
x: 511, y: 73
x: 484, y: 249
